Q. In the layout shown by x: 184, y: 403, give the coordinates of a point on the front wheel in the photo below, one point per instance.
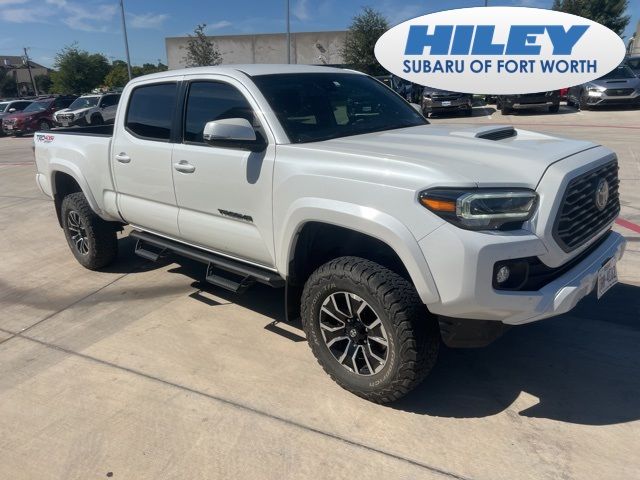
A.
x: 554, y: 108
x: 44, y: 126
x: 92, y: 240
x: 368, y: 328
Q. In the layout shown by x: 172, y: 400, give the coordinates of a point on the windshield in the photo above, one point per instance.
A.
x: 37, y: 106
x: 84, y: 102
x: 320, y: 106
x: 621, y: 71
x: 3, y: 106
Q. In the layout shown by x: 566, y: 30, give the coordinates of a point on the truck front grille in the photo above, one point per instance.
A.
x: 618, y: 92
x: 581, y: 216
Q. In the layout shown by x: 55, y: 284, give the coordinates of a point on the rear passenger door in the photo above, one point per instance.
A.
x: 225, y: 197
x: 141, y: 158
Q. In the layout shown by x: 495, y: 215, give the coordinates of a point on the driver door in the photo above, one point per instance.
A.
x: 223, y: 194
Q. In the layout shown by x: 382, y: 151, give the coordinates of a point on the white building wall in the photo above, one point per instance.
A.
x: 306, y: 48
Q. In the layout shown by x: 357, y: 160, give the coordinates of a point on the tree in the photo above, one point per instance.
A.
x: 78, y: 71
x: 201, y: 51
x: 44, y: 83
x: 118, y: 76
x: 364, y: 31
x: 8, y: 86
x: 610, y: 13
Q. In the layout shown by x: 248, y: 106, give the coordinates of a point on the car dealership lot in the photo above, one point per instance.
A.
x: 140, y: 373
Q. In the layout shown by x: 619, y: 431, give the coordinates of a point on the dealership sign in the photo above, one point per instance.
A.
x: 499, y: 50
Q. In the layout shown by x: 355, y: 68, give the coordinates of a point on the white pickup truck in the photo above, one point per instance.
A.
x: 388, y: 234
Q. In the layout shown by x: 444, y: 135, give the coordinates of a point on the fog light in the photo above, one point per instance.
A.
x: 503, y: 274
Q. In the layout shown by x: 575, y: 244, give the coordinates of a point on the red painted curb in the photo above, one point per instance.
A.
x: 627, y: 224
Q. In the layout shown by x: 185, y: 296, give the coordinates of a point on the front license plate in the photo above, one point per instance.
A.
x: 446, y: 104
x: 607, y: 277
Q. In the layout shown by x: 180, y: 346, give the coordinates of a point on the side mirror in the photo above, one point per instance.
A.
x: 233, y: 133
x: 11, y: 110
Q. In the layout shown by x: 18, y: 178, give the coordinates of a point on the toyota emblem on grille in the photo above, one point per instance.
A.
x: 602, y: 194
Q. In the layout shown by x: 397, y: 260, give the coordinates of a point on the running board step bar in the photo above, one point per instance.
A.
x: 153, y: 247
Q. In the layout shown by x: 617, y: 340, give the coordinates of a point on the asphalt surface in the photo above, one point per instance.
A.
x: 140, y: 372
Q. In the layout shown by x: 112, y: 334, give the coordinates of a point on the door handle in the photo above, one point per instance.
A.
x: 184, y: 167
x: 123, y: 157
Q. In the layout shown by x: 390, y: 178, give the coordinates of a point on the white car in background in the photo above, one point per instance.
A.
x: 89, y: 110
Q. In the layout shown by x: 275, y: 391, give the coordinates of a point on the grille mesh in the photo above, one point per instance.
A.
x: 579, y: 219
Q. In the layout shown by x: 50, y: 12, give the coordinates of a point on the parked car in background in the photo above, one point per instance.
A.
x: 633, y: 62
x: 435, y: 100
x: 37, y: 116
x: 618, y: 87
x: 549, y: 100
x: 89, y: 110
x: 11, y: 106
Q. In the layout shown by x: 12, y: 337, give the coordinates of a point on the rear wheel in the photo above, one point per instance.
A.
x: 92, y: 240
x: 368, y: 328
x: 555, y: 108
x: 44, y: 125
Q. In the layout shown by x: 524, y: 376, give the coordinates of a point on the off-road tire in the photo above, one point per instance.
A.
x: 412, y: 331
x: 101, y: 238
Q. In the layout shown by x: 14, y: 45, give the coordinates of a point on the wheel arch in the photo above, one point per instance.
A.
x: 65, y: 179
x: 329, y: 229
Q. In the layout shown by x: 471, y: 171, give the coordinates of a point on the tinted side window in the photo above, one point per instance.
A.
x: 208, y: 101
x: 109, y: 100
x: 20, y: 105
x: 150, y: 111
x: 62, y: 103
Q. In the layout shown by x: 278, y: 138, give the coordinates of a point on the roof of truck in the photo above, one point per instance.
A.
x: 249, y: 69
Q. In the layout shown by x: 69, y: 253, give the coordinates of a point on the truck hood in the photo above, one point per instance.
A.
x: 457, y: 150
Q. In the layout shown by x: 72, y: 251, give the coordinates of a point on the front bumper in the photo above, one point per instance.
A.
x: 464, y: 278
x: 77, y: 122
x: 631, y: 100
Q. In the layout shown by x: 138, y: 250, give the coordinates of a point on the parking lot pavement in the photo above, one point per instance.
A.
x: 139, y: 372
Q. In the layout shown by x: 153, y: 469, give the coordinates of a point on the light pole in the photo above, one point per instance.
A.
x: 126, y: 41
x: 288, y: 32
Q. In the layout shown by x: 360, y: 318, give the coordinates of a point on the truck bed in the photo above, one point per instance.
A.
x: 96, y: 130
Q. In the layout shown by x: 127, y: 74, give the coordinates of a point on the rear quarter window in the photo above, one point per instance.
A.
x: 150, y: 111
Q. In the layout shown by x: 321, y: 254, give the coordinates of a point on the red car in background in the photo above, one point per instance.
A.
x: 37, y: 116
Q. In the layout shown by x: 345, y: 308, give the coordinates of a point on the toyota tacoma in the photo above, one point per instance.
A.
x: 388, y: 235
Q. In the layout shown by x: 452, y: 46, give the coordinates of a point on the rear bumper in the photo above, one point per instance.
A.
x: 430, y: 105
x: 518, y: 105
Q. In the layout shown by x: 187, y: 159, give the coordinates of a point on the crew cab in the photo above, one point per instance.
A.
x: 89, y: 110
x: 387, y: 234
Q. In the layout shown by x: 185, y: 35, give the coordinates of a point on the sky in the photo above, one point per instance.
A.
x: 46, y: 26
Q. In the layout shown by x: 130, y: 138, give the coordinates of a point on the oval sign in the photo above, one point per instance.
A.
x: 499, y: 50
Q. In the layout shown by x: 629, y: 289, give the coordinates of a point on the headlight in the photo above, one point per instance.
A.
x: 481, y: 209
x: 594, y: 91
